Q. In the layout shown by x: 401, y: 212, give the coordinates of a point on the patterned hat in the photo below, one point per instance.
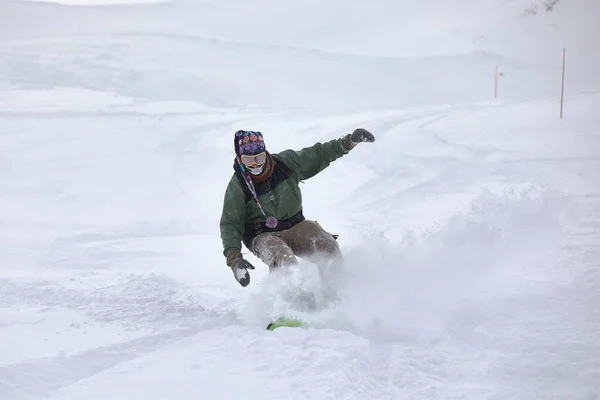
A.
x: 248, y: 142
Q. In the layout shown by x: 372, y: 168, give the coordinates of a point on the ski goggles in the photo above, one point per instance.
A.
x: 257, y: 159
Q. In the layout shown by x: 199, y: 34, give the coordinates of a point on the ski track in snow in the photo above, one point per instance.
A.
x: 166, y: 313
x: 471, y: 228
x: 386, y: 359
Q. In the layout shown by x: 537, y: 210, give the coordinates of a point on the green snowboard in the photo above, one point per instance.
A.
x: 286, y: 322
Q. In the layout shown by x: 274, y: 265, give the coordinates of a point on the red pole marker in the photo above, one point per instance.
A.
x: 562, y: 89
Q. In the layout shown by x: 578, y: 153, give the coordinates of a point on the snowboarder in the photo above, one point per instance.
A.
x: 262, y: 205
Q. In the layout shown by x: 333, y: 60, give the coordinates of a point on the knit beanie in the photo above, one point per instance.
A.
x: 248, y: 142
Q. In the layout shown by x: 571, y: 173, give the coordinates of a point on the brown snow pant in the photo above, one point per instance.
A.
x: 306, y: 239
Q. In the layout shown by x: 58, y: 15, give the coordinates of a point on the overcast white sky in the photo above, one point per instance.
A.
x: 98, y: 2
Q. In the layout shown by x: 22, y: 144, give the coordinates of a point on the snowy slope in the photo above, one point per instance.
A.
x: 471, y: 227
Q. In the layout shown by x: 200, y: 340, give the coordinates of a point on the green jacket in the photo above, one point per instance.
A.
x: 285, y: 199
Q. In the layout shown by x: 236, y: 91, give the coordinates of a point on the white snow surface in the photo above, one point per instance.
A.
x: 470, y: 228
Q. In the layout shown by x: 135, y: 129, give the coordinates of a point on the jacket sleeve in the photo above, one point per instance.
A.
x: 311, y: 160
x: 232, y: 216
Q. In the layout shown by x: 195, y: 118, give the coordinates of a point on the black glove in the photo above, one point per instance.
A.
x: 362, y: 135
x: 240, y: 271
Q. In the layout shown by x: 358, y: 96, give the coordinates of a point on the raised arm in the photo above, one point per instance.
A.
x: 311, y: 160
